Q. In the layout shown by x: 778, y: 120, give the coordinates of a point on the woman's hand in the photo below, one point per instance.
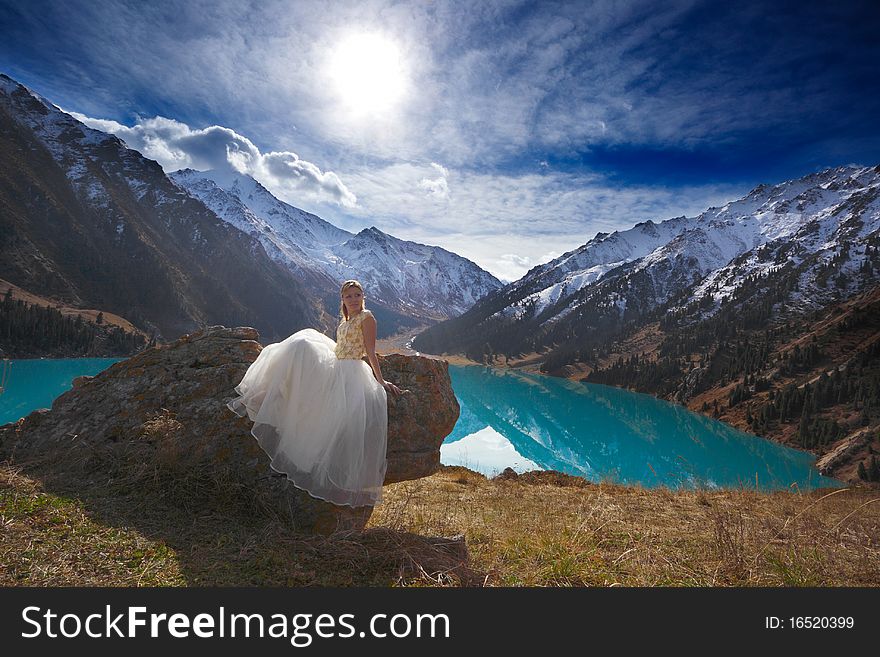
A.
x: 393, y: 388
x: 368, y: 329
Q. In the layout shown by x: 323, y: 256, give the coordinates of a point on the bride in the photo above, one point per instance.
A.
x: 319, y: 411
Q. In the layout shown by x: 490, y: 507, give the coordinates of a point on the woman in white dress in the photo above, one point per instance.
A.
x: 319, y: 411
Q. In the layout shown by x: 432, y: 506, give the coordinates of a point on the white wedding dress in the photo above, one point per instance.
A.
x: 320, y: 414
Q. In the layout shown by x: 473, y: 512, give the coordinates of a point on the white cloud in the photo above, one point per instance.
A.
x: 443, y: 171
x: 437, y: 188
x: 510, y: 266
x: 518, y: 260
x: 290, y: 172
x: 174, y: 145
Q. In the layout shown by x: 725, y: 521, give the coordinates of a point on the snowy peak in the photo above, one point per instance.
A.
x: 310, y: 231
x: 83, y: 153
x: 577, y: 269
x: 410, y: 278
x: 837, y: 220
x: 97, y: 224
x: 55, y: 128
x: 812, y: 240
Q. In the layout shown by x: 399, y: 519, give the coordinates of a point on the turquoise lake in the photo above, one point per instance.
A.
x: 529, y: 422
x: 35, y: 383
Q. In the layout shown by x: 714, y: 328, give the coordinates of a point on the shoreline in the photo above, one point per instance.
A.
x: 842, y: 465
x: 840, y: 470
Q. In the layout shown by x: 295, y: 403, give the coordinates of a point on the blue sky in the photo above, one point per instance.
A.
x: 508, y: 132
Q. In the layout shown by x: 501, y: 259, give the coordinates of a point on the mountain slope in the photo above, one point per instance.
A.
x: 797, y: 234
x: 91, y: 222
x: 405, y: 278
x: 811, y: 381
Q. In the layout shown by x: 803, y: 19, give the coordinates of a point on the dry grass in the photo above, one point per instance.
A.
x: 166, y: 533
x: 543, y: 529
x: 49, y: 540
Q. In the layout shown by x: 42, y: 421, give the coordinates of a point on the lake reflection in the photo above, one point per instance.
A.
x: 529, y: 421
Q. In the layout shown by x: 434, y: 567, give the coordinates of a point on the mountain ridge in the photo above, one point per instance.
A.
x: 415, y: 280
x: 106, y: 211
x: 95, y: 224
x: 619, y: 277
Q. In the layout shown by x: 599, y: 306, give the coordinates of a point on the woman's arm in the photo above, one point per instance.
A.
x: 368, y: 328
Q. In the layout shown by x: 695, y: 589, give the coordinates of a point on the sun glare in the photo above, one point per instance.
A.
x: 368, y: 73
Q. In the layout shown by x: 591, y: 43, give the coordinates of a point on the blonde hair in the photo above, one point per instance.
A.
x: 350, y: 283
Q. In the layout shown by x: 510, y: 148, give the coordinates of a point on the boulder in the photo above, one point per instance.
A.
x: 165, y: 409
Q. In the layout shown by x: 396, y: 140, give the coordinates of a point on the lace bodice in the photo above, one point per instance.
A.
x: 350, y: 338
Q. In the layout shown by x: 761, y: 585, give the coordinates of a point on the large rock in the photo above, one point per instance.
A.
x: 166, y: 408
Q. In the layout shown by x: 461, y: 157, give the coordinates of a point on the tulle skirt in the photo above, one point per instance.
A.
x: 322, y: 421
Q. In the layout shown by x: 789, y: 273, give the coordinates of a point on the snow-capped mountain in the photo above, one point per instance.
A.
x: 95, y: 224
x: 548, y: 284
x: 824, y: 221
x: 407, y: 277
x: 289, y: 235
x: 797, y: 233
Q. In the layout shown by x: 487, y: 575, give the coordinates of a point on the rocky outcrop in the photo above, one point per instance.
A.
x: 163, y: 413
x: 844, y: 451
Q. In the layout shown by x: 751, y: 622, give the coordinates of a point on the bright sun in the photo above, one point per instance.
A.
x: 368, y: 72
